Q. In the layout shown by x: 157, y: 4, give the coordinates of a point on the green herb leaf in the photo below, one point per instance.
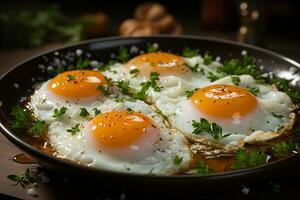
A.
x: 212, y: 77
x: 189, y: 93
x: 24, y: 180
x: 74, y: 129
x: 285, y: 148
x: 245, y: 159
x: 236, y: 80
x: 141, y: 95
x: 107, y: 66
x: 134, y: 72
x: 207, y: 60
x: 84, y: 112
x: 253, y: 90
x: 70, y: 77
x: 129, y: 110
x: 152, y: 48
x: 20, y: 117
x: 38, y: 128
x: 235, y: 67
x: 97, y: 111
x: 212, y: 128
x: 124, y: 86
x: 104, y: 89
x: 82, y: 63
x: 123, y: 55
x: 154, y: 76
x: 202, y: 168
x: 189, y: 53
x: 59, y: 113
x: 177, y: 160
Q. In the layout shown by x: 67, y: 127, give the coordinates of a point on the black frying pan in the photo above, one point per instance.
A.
x: 102, y: 49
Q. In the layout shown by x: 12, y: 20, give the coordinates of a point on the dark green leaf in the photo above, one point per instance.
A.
x: 38, y: 128
x: 188, y: 52
x: 207, y: 60
x: 104, y: 89
x: 177, y: 160
x: 134, y: 72
x: 59, y: 113
x: 190, y: 93
x: 123, y: 55
x: 74, y: 129
x: 202, y: 168
x: 245, y: 159
x: 84, y: 112
x: 124, y: 86
x: 20, y: 117
x: 236, y: 80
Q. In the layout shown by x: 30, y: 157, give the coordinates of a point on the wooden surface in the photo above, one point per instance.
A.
x: 60, y: 188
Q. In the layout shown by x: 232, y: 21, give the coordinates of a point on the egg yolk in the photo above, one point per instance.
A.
x: 120, y: 128
x: 224, y: 101
x: 77, y: 83
x: 161, y: 62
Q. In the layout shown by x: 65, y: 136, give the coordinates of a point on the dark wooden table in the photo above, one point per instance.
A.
x: 61, y: 188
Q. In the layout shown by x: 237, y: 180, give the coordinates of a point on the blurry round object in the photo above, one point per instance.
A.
x: 150, y: 19
x: 150, y: 11
x: 96, y: 23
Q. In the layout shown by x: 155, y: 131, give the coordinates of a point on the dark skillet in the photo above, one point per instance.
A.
x: 102, y: 49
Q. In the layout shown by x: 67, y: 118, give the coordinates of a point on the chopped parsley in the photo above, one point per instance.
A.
x: 236, y: 80
x: 123, y: 55
x: 21, y: 119
x: 195, y: 68
x: 189, y: 93
x: 245, y: 159
x: 285, y: 148
x: 97, y: 111
x: 134, y: 72
x: 107, y: 66
x: 142, y: 95
x: 74, y: 129
x: 202, y: 168
x: 154, y: 76
x: 152, y: 48
x: 189, y: 53
x: 129, y: 110
x: 177, y: 160
x: 24, y: 180
x: 37, y: 128
x: 84, y: 112
x: 253, y: 90
x: 207, y: 60
x: 59, y: 112
x: 212, y: 128
x: 70, y: 77
x: 82, y: 63
x: 278, y: 116
x: 124, y: 86
x: 236, y: 67
x: 212, y: 77
x: 104, y: 89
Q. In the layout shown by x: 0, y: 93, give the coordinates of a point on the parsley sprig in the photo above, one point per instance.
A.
x: 123, y: 55
x: 244, y: 159
x: 24, y: 180
x: 22, y: 120
x: 188, y: 52
x: 202, y: 168
x: 124, y: 86
x: 83, y: 112
x: 104, y: 89
x: 59, y: 112
x: 154, y: 76
x: 177, y: 160
x: 189, y: 93
x: 74, y: 129
x: 203, y: 126
x: 285, y: 148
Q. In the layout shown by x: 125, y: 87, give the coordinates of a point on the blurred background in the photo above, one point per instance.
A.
x: 42, y: 24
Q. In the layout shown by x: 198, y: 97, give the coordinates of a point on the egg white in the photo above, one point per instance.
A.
x: 79, y: 147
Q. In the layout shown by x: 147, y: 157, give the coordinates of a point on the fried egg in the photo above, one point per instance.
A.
x: 175, y: 75
x: 247, y: 118
x: 120, y: 136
